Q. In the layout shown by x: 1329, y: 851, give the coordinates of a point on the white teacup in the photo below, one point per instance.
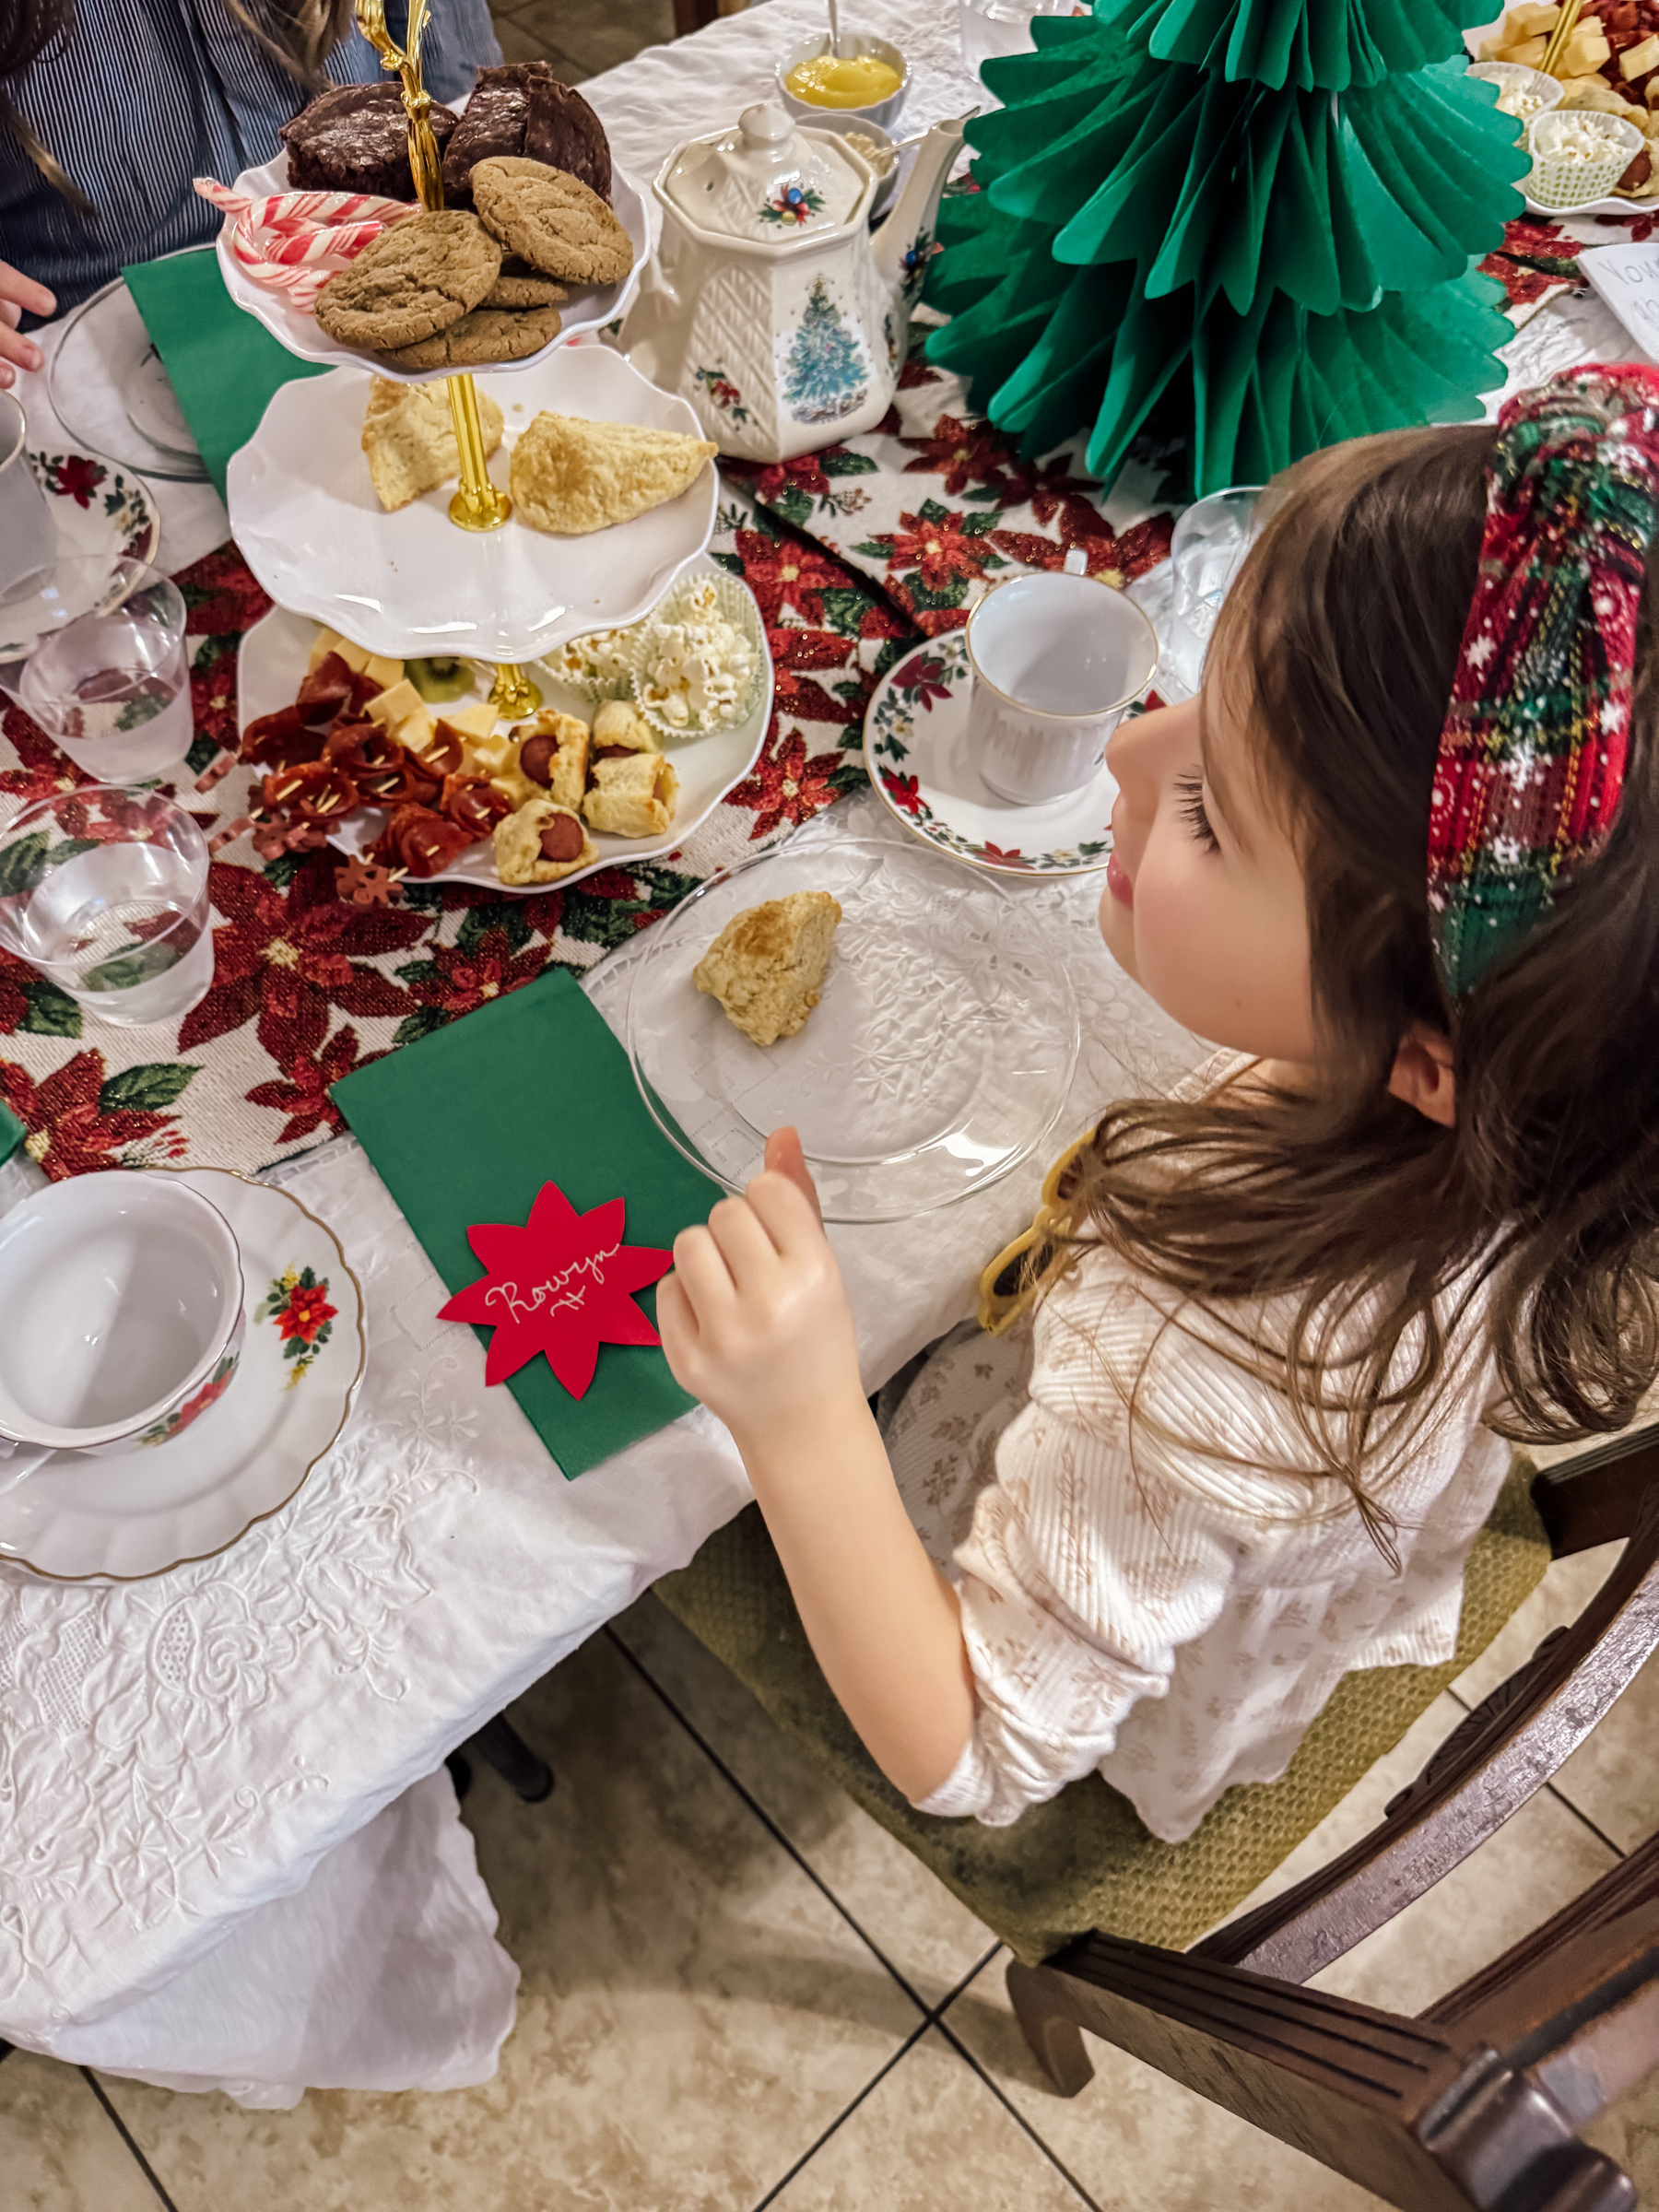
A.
x: 1056, y: 659
x: 120, y: 1316
x: 27, y: 531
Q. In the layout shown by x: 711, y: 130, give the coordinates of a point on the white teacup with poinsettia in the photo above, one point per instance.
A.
x: 120, y: 1316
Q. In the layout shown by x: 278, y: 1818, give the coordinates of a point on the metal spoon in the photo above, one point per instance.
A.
x: 835, y: 43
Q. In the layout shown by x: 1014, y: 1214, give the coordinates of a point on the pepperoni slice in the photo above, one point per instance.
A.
x: 561, y: 839
x: 325, y: 690
x: 444, y: 755
x: 315, y: 791
x: 363, y: 688
x: 420, y: 841
x: 361, y: 747
x: 281, y: 741
x: 472, y: 802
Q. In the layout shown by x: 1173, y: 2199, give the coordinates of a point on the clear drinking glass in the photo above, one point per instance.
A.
x: 104, y: 889
x: 109, y: 680
x: 1207, y: 552
x: 988, y: 27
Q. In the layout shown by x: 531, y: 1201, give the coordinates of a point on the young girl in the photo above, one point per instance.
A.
x: 1398, y: 858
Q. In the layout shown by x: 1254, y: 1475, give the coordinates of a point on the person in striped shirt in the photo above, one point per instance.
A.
x: 110, y: 107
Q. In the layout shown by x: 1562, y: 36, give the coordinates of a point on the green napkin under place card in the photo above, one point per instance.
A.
x: 223, y: 365
x: 465, y: 1127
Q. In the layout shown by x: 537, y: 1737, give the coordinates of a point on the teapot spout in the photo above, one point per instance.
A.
x: 903, y: 243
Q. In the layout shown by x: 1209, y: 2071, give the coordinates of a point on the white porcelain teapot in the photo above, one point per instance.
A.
x: 771, y: 306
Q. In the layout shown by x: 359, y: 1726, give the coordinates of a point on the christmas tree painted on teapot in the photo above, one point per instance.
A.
x: 771, y: 306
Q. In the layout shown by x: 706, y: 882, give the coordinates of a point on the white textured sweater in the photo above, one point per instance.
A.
x: 1175, y: 1620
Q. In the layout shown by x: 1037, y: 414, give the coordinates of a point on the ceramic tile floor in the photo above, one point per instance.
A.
x: 738, y: 1992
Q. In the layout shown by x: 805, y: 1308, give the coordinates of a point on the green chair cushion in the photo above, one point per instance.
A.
x: 1083, y: 1860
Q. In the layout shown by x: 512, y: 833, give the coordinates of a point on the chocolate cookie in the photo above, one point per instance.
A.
x: 521, y: 286
x: 415, y: 279
x: 487, y: 334
x: 552, y: 219
x: 354, y: 138
x: 523, y: 107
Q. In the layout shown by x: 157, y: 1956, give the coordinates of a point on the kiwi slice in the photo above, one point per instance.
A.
x: 439, y: 679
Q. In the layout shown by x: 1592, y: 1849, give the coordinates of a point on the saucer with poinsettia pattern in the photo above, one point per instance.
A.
x: 176, y: 1498
x: 916, y: 751
x: 104, y: 515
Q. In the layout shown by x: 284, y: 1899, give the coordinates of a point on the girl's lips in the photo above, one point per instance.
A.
x: 1118, y: 882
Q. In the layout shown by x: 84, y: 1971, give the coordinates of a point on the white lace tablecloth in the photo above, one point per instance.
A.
x: 228, y: 1860
x: 230, y: 1855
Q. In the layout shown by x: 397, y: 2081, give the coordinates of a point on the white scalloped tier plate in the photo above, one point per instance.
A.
x: 938, y: 1057
x: 916, y: 751
x: 299, y: 330
x: 273, y: 659
x: 147, y: 1511
x: 1608, y: 204
x: 306, y: 520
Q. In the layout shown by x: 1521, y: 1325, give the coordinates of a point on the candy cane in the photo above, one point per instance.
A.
x: 294, y: 242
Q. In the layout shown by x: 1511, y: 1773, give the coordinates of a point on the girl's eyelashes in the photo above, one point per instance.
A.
x: 1190, y: 791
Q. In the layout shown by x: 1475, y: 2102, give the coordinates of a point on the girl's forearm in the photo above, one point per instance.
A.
x: 881, y: 1618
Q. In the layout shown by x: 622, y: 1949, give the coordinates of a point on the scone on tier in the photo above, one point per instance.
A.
x: 570, y: 476
x: 619, y: 727
x: 541, y: 843
x: 553, y: 753
x: 632, y: 794
x: 767, y: 964
x: 410, y: 439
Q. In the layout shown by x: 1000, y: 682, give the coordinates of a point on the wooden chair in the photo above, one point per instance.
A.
x: 1475, y: 2102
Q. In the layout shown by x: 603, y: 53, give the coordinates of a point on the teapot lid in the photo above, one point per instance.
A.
x: 764, y: 179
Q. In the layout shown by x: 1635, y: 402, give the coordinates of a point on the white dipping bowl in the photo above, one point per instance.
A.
x: 854, y: 43
x: 1564, y: 179
x: 1521, y: 92
x: 847, y: 123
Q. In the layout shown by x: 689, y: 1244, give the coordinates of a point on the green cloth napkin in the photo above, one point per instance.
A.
x: 467, y: 1125
x: 11, y: 1134
x: 224, y: 364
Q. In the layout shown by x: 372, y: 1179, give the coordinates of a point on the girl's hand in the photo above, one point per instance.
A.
x: 755, y: 1320
x: 19, y: 293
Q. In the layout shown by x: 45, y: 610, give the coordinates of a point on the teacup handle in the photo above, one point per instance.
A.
x: 19, y: 1461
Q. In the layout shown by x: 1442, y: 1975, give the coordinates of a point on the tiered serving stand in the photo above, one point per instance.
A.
x: 424, y: 582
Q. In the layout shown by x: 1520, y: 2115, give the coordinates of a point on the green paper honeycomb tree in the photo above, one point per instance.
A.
x: 1277, y: 201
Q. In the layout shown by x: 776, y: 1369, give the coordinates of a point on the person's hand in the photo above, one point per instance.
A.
x: 19, y: 294
x: 755, y: 1320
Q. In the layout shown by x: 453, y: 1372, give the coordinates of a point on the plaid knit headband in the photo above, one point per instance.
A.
x: 1531, y: 753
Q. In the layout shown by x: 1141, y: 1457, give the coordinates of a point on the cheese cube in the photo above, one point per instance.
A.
x: 361, y: 663
x: 1528, y: 55
x: 1586, y: 50
x: 476, y: 720
x: 1637, y: 61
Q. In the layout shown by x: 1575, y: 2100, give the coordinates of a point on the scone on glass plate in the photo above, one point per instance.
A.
x: 767, y: 966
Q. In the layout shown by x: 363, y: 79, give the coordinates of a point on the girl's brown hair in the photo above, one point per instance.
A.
x: 1339, y: 645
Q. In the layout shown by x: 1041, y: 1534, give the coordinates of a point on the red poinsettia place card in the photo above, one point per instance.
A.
x: 561, y: 1284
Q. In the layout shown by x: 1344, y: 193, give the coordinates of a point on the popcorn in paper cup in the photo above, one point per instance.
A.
x: 1579, y: 155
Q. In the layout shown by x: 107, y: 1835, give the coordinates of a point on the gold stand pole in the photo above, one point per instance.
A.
x: 478, y: 505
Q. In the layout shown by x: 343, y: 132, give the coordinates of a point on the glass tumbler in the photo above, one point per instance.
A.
x: 1207, y: 552
x: 110, y: 684
x: 104, y: 890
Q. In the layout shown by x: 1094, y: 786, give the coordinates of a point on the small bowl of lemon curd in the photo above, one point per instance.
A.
x: 868, y: 77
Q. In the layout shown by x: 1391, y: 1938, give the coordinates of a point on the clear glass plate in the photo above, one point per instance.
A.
x: 937, y: 1059
x: 109, y: 390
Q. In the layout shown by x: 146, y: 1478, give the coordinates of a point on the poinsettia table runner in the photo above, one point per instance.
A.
x: 852, y: 553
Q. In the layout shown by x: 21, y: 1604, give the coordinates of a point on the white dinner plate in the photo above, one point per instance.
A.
x: 141, y: 1512
x: 916, y: 751
x: 306, y: 520
x: 937, y: 1058
x: 299, y: 331
x: 273, y: 659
